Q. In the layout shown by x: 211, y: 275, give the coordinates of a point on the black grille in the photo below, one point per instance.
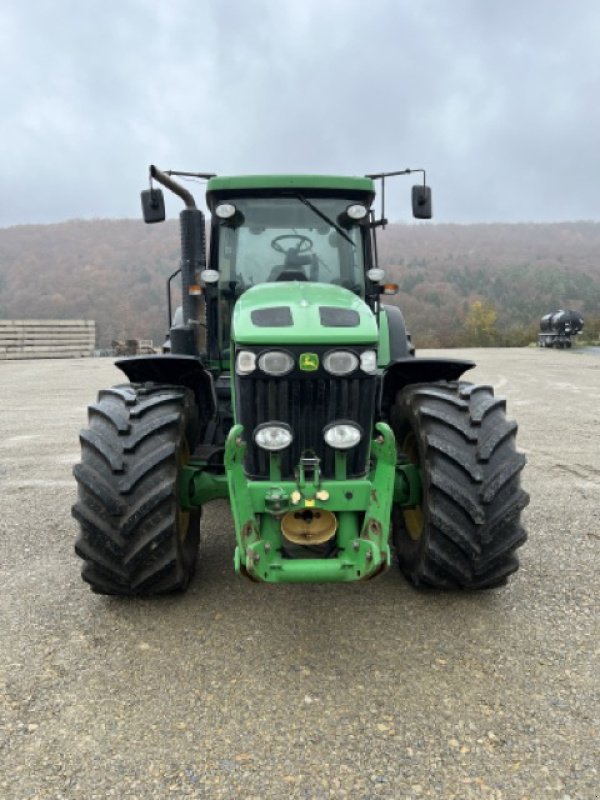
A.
x: 307, y: 401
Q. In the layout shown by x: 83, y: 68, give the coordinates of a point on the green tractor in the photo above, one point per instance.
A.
x: 287, y: 386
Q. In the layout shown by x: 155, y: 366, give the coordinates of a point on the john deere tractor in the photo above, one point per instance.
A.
x: 289, y: 388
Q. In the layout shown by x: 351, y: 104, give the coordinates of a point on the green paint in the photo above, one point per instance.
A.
x: 304, y: 300
x: 299, y: 183
x: 408, y: 486
x: 197, y: 487
x: 257, y: 508
x: 383, y: 349
x: 275, y: 467
x: 351, y: 495
x: 244, y: 518
x: 340, y: 465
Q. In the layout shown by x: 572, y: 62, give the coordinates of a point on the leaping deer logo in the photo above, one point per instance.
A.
x: 309, y: 362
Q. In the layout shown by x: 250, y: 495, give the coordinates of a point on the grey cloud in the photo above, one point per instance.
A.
x: 496, y: 100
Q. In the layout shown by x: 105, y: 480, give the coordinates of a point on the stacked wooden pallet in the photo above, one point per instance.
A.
x: 46, y: 338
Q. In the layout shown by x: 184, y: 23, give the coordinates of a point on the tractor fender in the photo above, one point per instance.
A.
x: 174, y: 370
x: 405, y: 371
x: 400, y: 343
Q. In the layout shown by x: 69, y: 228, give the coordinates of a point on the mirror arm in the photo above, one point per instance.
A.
x: 382, y: 176
x: 379, y: 223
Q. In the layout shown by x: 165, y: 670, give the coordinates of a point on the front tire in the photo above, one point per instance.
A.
x: 465, y: 531
x: 134, y: 538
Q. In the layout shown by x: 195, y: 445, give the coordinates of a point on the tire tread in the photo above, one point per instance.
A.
x: 127, y: 499
x: 471, y: 478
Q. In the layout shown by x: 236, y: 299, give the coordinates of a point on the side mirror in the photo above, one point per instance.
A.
x: 153, y: 205
x: 421, y: 202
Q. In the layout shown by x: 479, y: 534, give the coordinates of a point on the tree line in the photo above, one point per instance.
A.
x: 459, y: 285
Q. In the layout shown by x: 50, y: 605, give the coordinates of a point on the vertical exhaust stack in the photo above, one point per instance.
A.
x: 188, y: 338
x: 185, y: 339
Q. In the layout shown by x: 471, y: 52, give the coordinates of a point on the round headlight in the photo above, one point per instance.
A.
x: 340, y: 362
x: 376, y: 274
x: 225, y: 210
x: 273, y: 436
x: 342, y: 435
x: 276, y: 362
x: 357, y: 211
x: 245, y: 363
x: 368, y: 361
x: 209, y: 275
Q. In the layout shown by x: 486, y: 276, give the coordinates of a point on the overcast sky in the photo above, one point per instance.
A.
x: 498, y: 100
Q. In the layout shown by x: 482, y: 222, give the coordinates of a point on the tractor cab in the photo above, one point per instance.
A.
x: 280, y: 229
x: 283, y: 229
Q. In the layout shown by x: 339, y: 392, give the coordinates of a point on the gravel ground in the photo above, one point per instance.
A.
x: 241, y: 690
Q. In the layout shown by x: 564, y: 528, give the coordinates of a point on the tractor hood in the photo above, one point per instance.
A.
x: 299, y: 312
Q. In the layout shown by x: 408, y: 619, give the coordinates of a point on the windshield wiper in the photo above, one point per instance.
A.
x: 325, y: 218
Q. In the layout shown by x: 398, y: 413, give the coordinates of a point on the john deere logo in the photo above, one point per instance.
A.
x: 309, y: 362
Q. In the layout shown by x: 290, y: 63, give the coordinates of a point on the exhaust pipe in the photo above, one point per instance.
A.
x: 173, y: 186
x: 188, y: 339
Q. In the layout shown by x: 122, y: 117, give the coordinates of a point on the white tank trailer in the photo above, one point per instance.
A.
x: 558, y: 328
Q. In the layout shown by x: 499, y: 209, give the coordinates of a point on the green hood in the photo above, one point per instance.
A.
x: 299, y: 312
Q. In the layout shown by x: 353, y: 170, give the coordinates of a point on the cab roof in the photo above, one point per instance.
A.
x: 275, y: 184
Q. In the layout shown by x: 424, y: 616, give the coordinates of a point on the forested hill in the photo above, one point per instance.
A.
x: 517, y: 272
x: 459, y: 284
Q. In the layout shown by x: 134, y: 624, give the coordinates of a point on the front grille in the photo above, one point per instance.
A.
x: 307, y: 402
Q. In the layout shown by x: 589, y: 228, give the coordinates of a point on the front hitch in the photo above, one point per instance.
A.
x: 260, y: 507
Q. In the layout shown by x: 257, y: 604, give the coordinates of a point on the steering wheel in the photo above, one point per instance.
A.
x: 304, y: 243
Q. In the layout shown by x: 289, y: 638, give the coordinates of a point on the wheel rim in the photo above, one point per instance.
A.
x: 413, y: 517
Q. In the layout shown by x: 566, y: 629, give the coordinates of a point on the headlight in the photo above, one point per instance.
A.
x: 368, y: 361
x: 273, y: 436
x: 356, y: 211
x: 340, y: 362
x: 209, y: 275
x: 376, y: 274
x: 342, y: 435
x: 276, y: 362
x: 225, y: 210
x: 245, y: 363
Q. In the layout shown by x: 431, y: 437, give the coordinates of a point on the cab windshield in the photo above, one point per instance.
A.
x: 289, y: 239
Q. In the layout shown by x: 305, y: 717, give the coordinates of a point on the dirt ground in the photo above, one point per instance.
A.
x: 240, y: 690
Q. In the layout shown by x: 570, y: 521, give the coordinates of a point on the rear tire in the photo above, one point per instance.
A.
x: 134, y: 538
x: 465, y: 532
